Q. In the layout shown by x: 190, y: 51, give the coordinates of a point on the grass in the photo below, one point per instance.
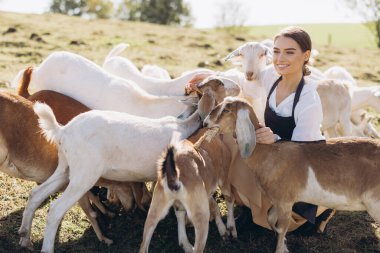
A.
x: 178, y: 50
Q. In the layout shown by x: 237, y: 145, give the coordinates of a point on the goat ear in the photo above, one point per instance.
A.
x: 268, y: 55
x: 231, y: 87
x: 377, y: 94
x: 233, y: 54
x: 190, y: 100
x: 205, y: 105
x: 245, y: 132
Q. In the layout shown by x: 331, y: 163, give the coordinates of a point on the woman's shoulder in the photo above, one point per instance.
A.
x: 309, y: 92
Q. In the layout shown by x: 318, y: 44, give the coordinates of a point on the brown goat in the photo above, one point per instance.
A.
x: 341, y: 173
x: 187, y: 178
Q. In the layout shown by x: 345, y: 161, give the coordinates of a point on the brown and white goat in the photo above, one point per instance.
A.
x: 188, y: 175
x: 340, y: 173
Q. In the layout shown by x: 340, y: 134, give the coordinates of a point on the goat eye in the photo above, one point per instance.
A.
x: 226, y: 111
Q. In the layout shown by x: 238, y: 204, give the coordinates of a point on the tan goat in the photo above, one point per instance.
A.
x: 341, y: 173
x: 188, y: 175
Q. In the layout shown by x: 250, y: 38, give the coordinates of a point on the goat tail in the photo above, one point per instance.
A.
x: 24, y: 83
x: 116, y: 50
x: 168, y: 169
x: 50, y: 127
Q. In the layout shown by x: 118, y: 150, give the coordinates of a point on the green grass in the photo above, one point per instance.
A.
x: 178, y: 50
x: 322, y: 35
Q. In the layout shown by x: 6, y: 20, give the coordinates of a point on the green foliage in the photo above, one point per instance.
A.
x: 164, y: 12
x: 96, y: 8
x: 370, y: 10
x: 69, y: 7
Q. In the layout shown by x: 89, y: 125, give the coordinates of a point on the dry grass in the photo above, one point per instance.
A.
x: 178, y: 50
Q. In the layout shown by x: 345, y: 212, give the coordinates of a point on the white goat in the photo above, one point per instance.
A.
x: 95, y: 144
x: 341, y: 173
x: 155, y: 72
x: 336, y: 106
x: 25, y: 154
x: 340, y: 73
x: 121, y: 66
x: 83, y: 80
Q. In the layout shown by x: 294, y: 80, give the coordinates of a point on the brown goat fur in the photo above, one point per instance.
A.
x: 194, y: 174
x: 340, y: 173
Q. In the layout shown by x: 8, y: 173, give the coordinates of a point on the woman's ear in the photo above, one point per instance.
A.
x: 307, y: 56
x: 245, y: 132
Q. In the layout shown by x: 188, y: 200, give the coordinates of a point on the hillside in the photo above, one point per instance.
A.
x: 176, y: 49
x: 27, y: 39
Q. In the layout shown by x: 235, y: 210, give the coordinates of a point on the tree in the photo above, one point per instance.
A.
x: 370, y: 10
x: 164, y: 12
x: 232, y: 13
x: 69, y: 7
x: 97, y: 8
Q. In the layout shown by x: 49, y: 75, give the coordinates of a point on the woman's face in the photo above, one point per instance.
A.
x: 288, y: 57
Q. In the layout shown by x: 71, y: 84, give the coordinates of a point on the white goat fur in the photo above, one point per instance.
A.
x: 341, y: 74
x: 112, y: 145
x: 121, y: 66
x: 83, y: 80
x: 155, y: 71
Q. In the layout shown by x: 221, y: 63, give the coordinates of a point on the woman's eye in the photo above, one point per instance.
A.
x: 226, y: 111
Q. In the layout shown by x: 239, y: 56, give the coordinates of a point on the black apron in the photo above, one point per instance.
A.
x: 283, y: 127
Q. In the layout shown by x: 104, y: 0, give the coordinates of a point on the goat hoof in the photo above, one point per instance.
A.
x: 187, y: 247
x: 26, y: 243
x: 107, y: 241
x: 232, y: 231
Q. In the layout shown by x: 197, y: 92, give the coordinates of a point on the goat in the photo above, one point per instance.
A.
x: 362, y: 125
x: 65, y: 108
x: 113, y: 145
x: 121, y: 66
x: 155, y: 72
x: 26, y: 154
x: 341, y: 74
x: 336, y: 105
x: 363, y: 97
x: 81, y: 79
x: 340, y: 173
x: 188, y: 175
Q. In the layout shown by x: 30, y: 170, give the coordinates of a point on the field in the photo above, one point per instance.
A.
x: 28, y: 39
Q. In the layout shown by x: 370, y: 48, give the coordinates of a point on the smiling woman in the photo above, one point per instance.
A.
x: 293, y: 108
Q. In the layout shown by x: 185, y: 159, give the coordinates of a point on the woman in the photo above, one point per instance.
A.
x: 293, y: 108
x: 293, y: 112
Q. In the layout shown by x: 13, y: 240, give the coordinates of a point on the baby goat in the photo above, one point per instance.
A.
x: 341, y: 173
x: 188, y: 175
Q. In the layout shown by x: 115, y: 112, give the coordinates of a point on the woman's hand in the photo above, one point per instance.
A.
x: 192, y: 84
x: 264, y: 135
